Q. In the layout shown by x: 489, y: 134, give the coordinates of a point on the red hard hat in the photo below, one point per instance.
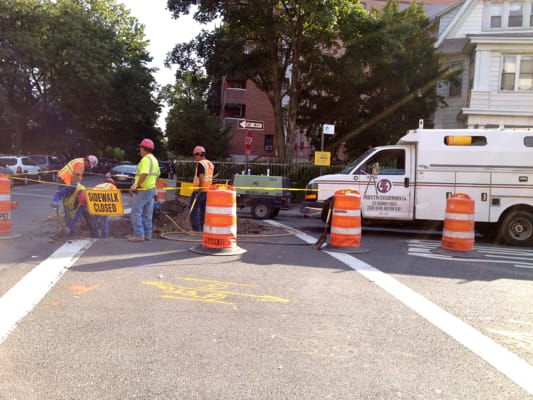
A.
x: 198, y: 149
x: 147, y: 143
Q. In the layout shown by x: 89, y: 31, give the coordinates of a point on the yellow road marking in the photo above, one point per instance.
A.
x: 186, y: 278
x: 211, y: 293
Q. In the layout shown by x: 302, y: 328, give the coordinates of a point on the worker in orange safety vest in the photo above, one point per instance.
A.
x: 72, y: 173
x: 203, y: 178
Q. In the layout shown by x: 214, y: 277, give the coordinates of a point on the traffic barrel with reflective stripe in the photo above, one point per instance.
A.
x: 345, y: 231
x: 459, y: 223
x: 219, y: 236
x: 5, y: 208
x: 161, y: 190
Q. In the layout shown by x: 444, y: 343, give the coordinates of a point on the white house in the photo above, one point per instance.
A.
x: 491, y: 43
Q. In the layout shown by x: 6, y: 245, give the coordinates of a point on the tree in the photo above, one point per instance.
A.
x: 190, y: 122
x: 381, y: 85
x: 74, y: 71
x: 266, y: 41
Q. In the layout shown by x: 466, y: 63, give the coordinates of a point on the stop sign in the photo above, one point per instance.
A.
x: 248, y: 140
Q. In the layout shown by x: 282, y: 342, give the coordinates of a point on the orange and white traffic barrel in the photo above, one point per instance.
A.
x: 5, y: 209
x: 219, y: 236
x: 459, y: 222
x: 161, y: 190
x: 345, y: 231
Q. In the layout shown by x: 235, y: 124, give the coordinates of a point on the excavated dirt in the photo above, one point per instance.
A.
x: 172, y: 217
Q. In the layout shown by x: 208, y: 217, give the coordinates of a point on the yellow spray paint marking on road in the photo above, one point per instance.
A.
x: 208, y: 291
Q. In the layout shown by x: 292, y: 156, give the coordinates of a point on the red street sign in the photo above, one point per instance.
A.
x: 248, y: 140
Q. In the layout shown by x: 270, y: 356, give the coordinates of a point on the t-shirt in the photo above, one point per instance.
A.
x: 148, y: 165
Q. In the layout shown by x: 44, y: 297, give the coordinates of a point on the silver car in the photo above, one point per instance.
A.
x: 23, y: 168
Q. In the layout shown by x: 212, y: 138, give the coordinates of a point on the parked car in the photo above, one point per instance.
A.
x: 124, y: 174
x: 23, y: 168
x: 50, y: 165
x: 166, y: 169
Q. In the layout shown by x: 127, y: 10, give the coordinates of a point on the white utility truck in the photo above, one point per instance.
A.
x: 410, y: 181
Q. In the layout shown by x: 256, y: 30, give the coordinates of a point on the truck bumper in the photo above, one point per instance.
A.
x: 310, y: 208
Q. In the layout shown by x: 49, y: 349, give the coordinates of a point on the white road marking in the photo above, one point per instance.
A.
x: 515, y: 368
x: 518, y: 257
x: 30, y: 290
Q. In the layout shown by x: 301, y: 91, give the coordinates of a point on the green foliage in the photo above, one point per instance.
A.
x: 373, y: 75
x: 190, y: 122
x: 382, y: 84
x: 264, y: 41
x: 74, y: 76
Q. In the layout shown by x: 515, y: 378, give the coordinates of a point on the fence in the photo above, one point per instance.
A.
x: 298, y: 174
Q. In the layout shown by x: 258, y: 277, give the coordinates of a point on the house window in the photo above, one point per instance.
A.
x: 517, y: 73
x: 525, y: 77
x: 516, y: 15
x: 234, y: 110
x: 269, y: 143
x: 496, y: 15
x: 455, y: 85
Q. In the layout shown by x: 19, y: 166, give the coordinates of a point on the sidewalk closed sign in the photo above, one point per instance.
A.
x: 323, y: 158
x: 104, y: 202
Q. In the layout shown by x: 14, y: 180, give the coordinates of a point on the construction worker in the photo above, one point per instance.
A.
x: 72, y: 173
x: 75, y: 202
x: 143, y: 192
x: 203, y: 178
x: 102, y: 221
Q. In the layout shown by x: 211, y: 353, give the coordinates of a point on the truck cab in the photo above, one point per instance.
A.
x: 383, y: 176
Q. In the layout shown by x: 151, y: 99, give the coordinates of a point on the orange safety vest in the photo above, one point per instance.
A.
x: 209, y: 169
x: 66, y: 173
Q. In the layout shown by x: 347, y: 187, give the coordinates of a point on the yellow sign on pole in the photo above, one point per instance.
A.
x: 104, y: 202
x: 323, y: 158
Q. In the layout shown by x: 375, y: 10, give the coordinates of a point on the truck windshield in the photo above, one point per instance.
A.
x: 349, y: 168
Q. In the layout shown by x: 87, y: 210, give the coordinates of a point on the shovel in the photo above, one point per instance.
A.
x: 324, y: 235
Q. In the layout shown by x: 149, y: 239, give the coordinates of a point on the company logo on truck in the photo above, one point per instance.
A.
x: 383, y: 186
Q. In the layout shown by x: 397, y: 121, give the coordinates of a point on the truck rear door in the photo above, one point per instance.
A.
x: 386, y: 181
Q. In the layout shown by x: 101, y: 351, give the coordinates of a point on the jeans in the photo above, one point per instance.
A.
x: 198, y: 210
x: 89, y: 220
x: 102, y: 223
x: 141, y: 212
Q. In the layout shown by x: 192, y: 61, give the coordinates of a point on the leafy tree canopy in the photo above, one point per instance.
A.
x: 190, y: 122
x: 327, y: 61
x: 74, y: 75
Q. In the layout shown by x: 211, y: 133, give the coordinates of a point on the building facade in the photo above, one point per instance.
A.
x: 490, y: 45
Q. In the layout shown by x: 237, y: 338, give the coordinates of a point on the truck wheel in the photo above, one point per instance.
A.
x: 261, y: 211
x: 273, y: 213
x: 517, y: 228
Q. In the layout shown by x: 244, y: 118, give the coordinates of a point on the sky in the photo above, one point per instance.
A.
x: 163, y: 32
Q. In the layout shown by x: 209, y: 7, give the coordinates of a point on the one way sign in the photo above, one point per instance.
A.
x: 249, y: 124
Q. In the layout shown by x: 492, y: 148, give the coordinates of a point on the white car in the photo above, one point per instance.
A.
x: 23, y: 168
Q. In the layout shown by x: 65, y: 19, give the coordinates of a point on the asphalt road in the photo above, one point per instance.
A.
x: 156, y: 320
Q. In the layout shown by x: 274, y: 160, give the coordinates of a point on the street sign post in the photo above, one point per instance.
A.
x: 250, y: 124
